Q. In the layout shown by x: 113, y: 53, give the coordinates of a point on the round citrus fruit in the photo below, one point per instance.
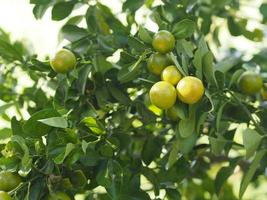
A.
x: 58, y: 196
x: 157, y: 62
x: 163, y: 41
x: 9, y: 181
x: 250, y: 83
x: 63, y: 62
x: 171, y: 75
x: 163, y: 95
x: 4, y: 196
x: 190, y: 89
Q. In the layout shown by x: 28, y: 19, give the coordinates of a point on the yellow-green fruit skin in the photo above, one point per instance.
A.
x: 157, y: 62
x: 63, y: 62
x: 163, y: 95
x: 250, y: 83
x: 190, y: 89
x: 58, y: 196
x: 171, y: 75
x: 9, y: 181
x: 4, y: 196
x: 163, y: 41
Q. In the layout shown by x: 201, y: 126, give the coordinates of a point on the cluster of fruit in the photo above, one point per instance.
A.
x: 163, y: 94
x: 8, y: 182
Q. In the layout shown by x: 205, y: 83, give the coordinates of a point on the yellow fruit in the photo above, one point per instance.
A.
x: 171, y: 75
x: 163, y: 41
x: 63, y: 62
x: 190, y: 89
x: 163, y: 95
x: 4, y: 196
x: 157, y: 62
x: 250, y: 83
x: 9, y: 181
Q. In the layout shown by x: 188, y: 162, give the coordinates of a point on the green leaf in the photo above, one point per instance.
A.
x: 208, y: 69
x: 26, y: 160
x: 136, y: 45
x: 184, y: 29
x: 67, y: 150
x: 95, y: 126
x: 217, y: 145
x: 118, y: 94
x: 227, y: 64
x: 144, y: 35
x: 173, y: 157
x: 197, y: 61
x: 58, y: 122
x: 40, y: 66
x: 263, y: 11
x: 201, y: 121
x: 181, y: 110
x: 101, y: 64
x: 188, y: 47
x: 78, y: 178
x: 73, y: 33
x: 5, y: 135
x: 250, y: 173
x: 4, y: 107
x: 127, y: 74
x: 9, y: 52
x: 16, y: 127
x: 132, y: 5
x: 219, y: 116
x: 198, y: 56
x: 255, y: 35
x: 34, y: 128
x: 39, y: 11
x: 186, y: 144
x: 251, y: 141
x: 207, y: 94
x: 176, y: 63
x: 146, y: 115
x: 173, y: 194
x: 152, y: 177
x: 235, y: 77
x: 151, y: 149
x: 75, y: 20
x: 81, y: 81
x: 62, y: 10
x: 224, y: 174
x: 187, y: 126
x: 220, y: 79
x: 235, y: 27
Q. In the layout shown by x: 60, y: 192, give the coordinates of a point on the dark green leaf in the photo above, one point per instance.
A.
x: 73, y: 33
x: 224, y: 174
x: 34, y: 128
x: 62, y: 10
x: 251, y: 141
x: 184, y: 29
x: 58, y: 122
x: 250, y: 173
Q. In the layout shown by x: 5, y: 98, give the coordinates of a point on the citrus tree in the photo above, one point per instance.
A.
x: 126, y: 113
